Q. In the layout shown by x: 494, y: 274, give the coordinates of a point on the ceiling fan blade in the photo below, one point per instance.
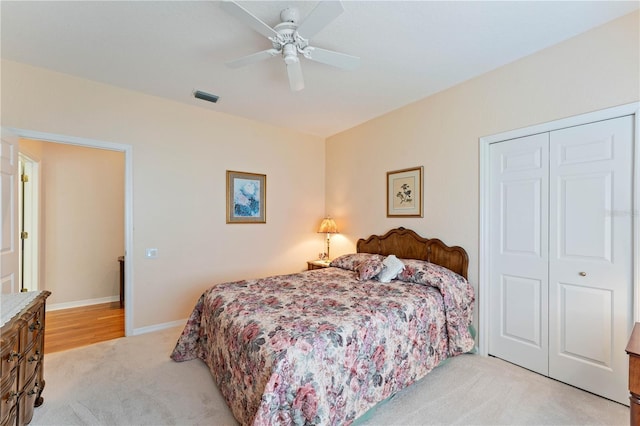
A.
x: 250, y: 59
x: 248, y: 18
x: 319, y: 17
x: 329, y: 57
x: 294, y: 71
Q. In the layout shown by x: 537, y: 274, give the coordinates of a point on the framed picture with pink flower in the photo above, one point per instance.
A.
x: 246, y: 197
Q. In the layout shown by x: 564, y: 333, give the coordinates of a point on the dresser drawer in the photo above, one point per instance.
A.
x: 8, y: 396
x: 10, y: 420
x: 10, y: 352
x: 30, y: 363
x: 34, y: 329
x: 27, y: 400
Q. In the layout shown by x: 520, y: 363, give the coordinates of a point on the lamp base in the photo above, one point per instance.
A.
x: 328, y: 240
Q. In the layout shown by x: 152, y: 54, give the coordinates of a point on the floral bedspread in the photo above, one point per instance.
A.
x: 321, y: 347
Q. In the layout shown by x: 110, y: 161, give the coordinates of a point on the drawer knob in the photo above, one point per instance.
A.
x: 35, y: 326
x: 12, y: 356
x: 583, y: 274
x: 33, y: 391
x: 34, y: 357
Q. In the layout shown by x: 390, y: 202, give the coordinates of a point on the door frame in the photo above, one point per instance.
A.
x: 128, y: 201
x: 484, y: 307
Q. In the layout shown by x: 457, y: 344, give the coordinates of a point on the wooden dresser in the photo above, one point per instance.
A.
x: 22, y: 353
x: 633, y: 349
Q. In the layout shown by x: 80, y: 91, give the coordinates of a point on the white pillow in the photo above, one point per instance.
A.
x: 392, y: 267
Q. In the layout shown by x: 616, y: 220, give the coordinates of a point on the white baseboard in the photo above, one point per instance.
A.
x: 158, y: 327
x: 79, y: 303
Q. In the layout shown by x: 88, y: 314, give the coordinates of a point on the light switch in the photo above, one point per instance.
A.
x: 151, y: 253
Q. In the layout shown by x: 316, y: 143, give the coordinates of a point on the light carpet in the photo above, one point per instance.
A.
x: 132, y: 381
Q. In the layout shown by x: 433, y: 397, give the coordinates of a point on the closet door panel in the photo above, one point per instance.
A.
x: 590, y: 255
x: 519, y: 278
x: 586, y: 316
x: 585, y: 221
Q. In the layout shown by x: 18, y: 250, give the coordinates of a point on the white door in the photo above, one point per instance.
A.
x: 519, y: 248
x: 590, y: 282
x: 28, y: 215
x: 9, y: 249
x: 561, y: 245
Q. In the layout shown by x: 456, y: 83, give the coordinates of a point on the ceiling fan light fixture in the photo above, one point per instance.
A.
x: 290, y: 54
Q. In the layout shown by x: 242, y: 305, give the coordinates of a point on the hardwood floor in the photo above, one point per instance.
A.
x: 75, y: 327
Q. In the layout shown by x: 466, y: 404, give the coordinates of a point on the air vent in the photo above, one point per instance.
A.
x: 206, y: 96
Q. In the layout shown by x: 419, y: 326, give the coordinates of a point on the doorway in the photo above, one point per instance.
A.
x: 127, y: 211
x: 83, y: 217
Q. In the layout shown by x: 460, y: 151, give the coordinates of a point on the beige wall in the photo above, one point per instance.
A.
x: 593, y: 71
x: 180, y: 155
x: 82, y: 221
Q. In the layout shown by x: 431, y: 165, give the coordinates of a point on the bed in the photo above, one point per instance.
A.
x: 325, y: 346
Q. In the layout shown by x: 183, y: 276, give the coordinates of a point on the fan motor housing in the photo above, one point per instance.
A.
x: 290, y: 14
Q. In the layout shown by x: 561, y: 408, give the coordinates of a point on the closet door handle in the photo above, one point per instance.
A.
x: 583, y: 274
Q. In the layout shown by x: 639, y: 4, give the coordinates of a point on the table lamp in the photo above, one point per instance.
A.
x: 328, y: 226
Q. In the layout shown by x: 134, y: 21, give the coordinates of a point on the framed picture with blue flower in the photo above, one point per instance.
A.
x: 246, y: 197
x: 404, y: 193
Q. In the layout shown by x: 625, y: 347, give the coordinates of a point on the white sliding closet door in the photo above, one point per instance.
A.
x: 561, y: 254
x: 590, y: 256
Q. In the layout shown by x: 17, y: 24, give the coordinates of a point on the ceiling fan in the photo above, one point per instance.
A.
x: 291, y: 37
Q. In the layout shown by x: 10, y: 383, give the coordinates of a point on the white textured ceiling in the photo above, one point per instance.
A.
x: 408, y: 49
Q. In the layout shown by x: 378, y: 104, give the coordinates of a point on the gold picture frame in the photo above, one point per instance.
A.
x: 405, y: 192
x: 246, y: 197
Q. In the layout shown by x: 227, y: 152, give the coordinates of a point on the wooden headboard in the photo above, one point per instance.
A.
x: 406, y: 244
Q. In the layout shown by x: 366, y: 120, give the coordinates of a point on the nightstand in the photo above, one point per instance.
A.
x: 317, y: 264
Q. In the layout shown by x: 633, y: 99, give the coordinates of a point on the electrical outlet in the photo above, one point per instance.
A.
x: 151, y: 253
